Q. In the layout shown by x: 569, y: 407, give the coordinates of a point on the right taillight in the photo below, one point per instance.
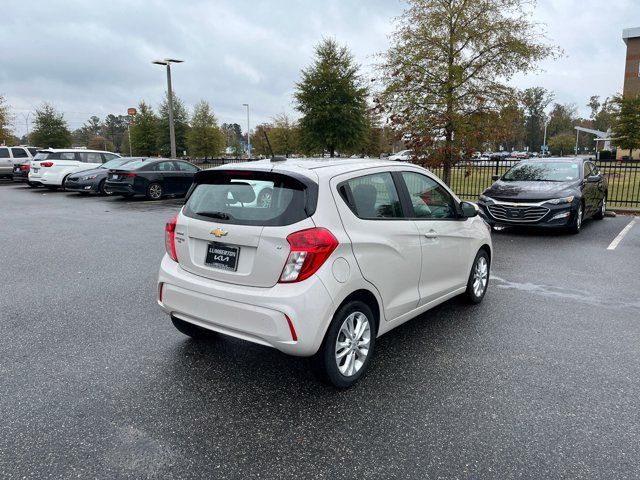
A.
x: 309, y: 250
x: 46, y: 164
x: 170, y: 238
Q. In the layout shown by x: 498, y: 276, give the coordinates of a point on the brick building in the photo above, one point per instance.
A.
x: 631, y: 37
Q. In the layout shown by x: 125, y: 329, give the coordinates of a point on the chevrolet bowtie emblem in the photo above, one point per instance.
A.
x: 218, y: 232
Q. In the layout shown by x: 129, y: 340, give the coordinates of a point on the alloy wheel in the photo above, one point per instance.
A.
x: 352, y: 344
x: 155, y: 191
x: 480, y: 276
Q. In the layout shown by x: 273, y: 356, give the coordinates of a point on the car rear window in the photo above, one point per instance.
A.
x: 250, y: 198
x: 4, y: 153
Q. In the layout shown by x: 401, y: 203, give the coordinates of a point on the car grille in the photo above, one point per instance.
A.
x: 517, y: 214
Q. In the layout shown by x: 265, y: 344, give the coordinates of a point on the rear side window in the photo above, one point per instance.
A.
x: 250, y: 198
x: 187, y: 167
x: 372, y: 196
x: 33, y: 151
x: 19, y: 152
x: 90, y: 157
x: 4, y: 153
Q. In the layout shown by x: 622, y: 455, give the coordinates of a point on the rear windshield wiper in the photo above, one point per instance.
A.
x: 218, y: 215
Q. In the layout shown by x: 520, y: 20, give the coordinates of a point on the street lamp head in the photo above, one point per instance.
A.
x: 245, y: 104
x: 167, y: 61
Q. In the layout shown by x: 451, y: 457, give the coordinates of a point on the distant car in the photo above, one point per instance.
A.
x: 152, y: 177
x: 553, y: 193
x: 401, y: 156
x: 10, y: 157
x: 94, y: 180
x: 51, y: 167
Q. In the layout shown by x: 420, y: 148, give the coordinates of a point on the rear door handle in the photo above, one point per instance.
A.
x: 431, y: 234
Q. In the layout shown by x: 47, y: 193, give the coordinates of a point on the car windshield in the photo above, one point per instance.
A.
x: 116, y: 162
x: 543, y: 172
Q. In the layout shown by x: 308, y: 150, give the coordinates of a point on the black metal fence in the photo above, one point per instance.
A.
x: 470, y: 178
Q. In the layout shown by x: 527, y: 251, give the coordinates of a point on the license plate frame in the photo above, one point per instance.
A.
x: 222, y: 256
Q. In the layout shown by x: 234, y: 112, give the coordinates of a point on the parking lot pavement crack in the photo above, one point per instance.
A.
x: 579, y: 296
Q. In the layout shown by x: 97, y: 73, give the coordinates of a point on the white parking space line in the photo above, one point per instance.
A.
x: 618, y: 239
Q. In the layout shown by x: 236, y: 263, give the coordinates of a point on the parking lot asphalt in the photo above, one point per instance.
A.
x: 541, y: 380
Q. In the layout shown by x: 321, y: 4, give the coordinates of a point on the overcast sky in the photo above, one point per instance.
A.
x: 93, y: 57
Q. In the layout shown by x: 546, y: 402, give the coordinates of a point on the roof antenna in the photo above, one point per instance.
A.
x: 273, y: 157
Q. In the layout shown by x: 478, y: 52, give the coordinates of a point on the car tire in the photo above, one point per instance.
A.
x: 576, y: 226
x: 154, y: 191
x: 478, y: 278
x: 191, y: 330
x: 342, y: 358
x: 264, y: 198
x: 602, y: 209
x: 102, y: 190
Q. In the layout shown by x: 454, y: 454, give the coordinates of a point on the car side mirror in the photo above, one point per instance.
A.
x: 593, y: 178
x: 468, y: 209
x: 495, y: 177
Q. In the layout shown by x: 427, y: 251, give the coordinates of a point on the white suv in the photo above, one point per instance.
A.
x: 14, y: 155
x: 344, y: 251
x: 50, y: 167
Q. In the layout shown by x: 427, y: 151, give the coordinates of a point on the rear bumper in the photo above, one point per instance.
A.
x: 116, y: 187
x: 20, y: 176
x: 258, y: 315
x: 45, y: 178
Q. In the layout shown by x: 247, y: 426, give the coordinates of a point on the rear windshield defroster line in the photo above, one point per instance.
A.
x: 251, y: 197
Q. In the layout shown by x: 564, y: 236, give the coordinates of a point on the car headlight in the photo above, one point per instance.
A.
x: 558, y: 201
x: 88, y: 177
x: 484, y: 198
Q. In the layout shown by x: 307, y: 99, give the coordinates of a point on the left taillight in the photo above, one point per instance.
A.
x: 309, y: 250
x: 25, y: 168
x: 170, y: 238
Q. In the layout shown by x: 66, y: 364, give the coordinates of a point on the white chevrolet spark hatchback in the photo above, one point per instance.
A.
x: 342, y: 252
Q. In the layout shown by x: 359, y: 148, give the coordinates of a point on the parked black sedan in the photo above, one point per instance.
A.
x: 94, y: 180
x: 153, y: 177
x: 550, y: 192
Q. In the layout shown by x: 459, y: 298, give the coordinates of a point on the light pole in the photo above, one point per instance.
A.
x: 248, y: 134
x: 544, y: 142
x: 26, y: 121
x: 172, y: 130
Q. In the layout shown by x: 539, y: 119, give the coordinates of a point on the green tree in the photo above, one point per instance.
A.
x: 449, y: 60
x: 114, y: 128
x: 101, y: 143
x: 562, y: 144
x: 332, y: 100
x: 259, y: 146
x: 562, y: 119
x: 5, y: 121
x: 535, y: 100
x: 50, y: 128
x: 602, y: 113
x: 144, y: 131
x: 284, y: 136
x: 180, y: 122
x: 205, y: 139
x: 626, y: 123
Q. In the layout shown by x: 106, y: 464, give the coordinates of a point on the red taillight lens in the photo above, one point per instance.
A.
x: 46, y: 164
x: 130, y: 174
x: 25, y: 168
x: 170, y: 238
x: 309, y: 250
